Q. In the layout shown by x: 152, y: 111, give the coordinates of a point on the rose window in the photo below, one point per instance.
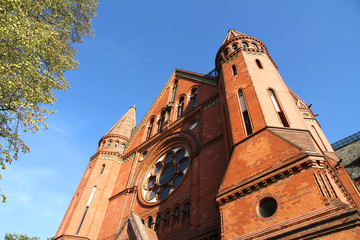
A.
x: 166, y: 174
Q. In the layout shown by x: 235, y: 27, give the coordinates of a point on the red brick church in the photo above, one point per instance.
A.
x: 234, y: 154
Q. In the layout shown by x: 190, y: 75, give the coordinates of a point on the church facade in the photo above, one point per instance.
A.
x: 232, y: 155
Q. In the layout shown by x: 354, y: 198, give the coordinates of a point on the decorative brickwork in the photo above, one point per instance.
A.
x: 217, y: 157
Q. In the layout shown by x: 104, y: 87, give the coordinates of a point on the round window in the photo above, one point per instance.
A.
x: 267, y: 207
x: 193, y: 124
x: 166, y: 174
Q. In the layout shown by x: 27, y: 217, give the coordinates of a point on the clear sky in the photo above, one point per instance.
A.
x: 138, y: 44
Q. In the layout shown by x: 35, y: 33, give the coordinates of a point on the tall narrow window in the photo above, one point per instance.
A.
x: 122, y: 148
x: 166, y: 220
x: 278, y: 108
x: 176, y: 215
x: 86, y: 209
x: 174, y: 90
x: 102, y: 169
x: 245, y: 113
x: 193, y: 98
x: 186, y: 212
x: 258, y: 63
x: 109, y: 143
x: 161, y: 121
x: 150, y: 127
x: 226, y: 52
x: 157, y: 223
x: 150, y: 222
x: 180, y: 108
x: 116, y: 145
x: 233, y: 67
x: 102, y: 145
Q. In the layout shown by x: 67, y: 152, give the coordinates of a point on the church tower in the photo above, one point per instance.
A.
x: 282, y: 179
x: 87, y: 208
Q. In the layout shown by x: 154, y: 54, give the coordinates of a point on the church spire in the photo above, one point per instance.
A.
x: 231, y: 34
x: 124, y: 126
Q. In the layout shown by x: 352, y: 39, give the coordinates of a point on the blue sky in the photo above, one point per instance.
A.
x: 137, y: 46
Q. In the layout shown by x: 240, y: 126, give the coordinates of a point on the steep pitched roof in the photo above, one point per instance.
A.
x: 231, y: 34
x: 124, y: 126
x: 133, y: 228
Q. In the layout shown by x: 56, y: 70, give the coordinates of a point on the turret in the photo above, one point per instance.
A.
x: 91, y: 199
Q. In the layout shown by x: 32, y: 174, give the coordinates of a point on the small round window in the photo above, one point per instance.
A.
x: 193, y: 124
x: 267, y: 207
x: 166, y: 174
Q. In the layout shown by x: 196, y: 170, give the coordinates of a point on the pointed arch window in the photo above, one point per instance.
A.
x: 186, y: 212
x: 278, y: 108
x: 174, y: 90
x: 122, y: 148
x: 234, y: 71
x: 150, y: 127
x: 180, y: 108
x: 157, y: 223
x: 116, y: 145
x: 244, y: 44
x: 102, y: 145
x: 254, y: 45
x: 161, y: 120
x: 150, y: 222
x: 176, y: 215
x: 86, y: 209
x: 193, y: 99
x: 245, y: 113
x: 258, y: 63
x: 109, y: 143
x: 166, y: 220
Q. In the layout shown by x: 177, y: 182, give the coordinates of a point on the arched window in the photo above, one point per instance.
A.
x: 186, y: 212
x: 109, y: 143
x: 176, y: 215
x: 150, y: 222
x: 102, y: 169
x: 180, y: 108
x: 254, y: 45
x: 278, y: 108
x: 234, y: 71
x: 102, y: 145
x: 193, y: 98
x: 174, y: 90
x: 244, y: 44
x: 245, y: 113
x: 150, y: 127
x: 161, y: 120
x: 157, y: 223
x: 258, y: 63
x: 166, y: 220
x: 116, y: 145
x: 226, y: 52
x: 234, y: 46
x: 122, y: 148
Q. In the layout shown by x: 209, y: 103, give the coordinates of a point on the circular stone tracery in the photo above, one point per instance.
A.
x: 166, y: 174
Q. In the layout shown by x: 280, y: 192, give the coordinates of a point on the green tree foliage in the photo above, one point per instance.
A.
x: 36, y: 48
x: 14, y: 236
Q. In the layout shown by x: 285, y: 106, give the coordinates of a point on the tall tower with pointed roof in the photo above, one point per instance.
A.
x: 88, y: 206
x: 230, y: 155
